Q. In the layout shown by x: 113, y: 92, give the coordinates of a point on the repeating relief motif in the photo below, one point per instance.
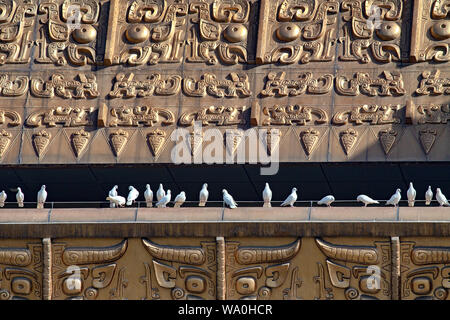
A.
x: 262, y: 273
x: 62, y: 39
x: 88, y: 273
x: 290, y: 115
x: 350, y: 268
x: 85, y: 87
x: 180, y: 273
x: 433, y: 113
x: 371, y: 114
x: 21, y: 272
x: 220, y: 116
x: 145, y: 115
x: 425, y: 274
x: 433, y: 84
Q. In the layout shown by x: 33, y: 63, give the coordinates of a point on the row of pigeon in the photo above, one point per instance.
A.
x: 163, y: 198
x: 20, y: 197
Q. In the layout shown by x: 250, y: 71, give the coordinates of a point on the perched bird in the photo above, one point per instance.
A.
x: 20, y: 197
x: 148, y: 195
x: 113, y: 193
x: 3, y: 197
x: 204, y: 194
x: 441, y: 198
x: 411, y: 194
x: 160, y: 193
x: 41, y: 197
x: 428, y: 196
x: 267, y: 196
x: 290, y: 200
x: 117, y: 200
x: 328, y: 200
x: 228, y: 199
x: 132, y: 195
x: 164, y: 200
x: 179, y: 199
x: 395, y: 199
x: 366, y: 200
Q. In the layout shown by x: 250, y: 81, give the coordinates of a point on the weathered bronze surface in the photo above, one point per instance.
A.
x: 340, y: 80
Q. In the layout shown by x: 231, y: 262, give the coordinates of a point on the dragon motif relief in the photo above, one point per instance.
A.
x: 85, y: 273
x: 293, y: 114
x: 86, y: 87
x: 371, y: 26
x: 13, y: 86
x: 21, y: 271
x: 433, y: 84
x: 180, y: 273
x: 372, y: 114
x: 298, y: 31
x: 362, y: 83
x: 433, y: 113
x: 65, y: 116
x: 17, y: 18
x: 147, y: 32
x: 236, y: 86
x: 350, y: 269
x: 278, y: 85
x: 431, y: 31
x: 425, y: 274
x: 221, y: 116
x: 133, y: 116
x: 126, y: 87
x: 260, y: 272
x: 61, y: 40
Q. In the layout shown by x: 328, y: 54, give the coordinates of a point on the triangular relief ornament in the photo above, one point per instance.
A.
x: 196, y: 141
x: 233, y: 140
x: 427, y: 139
x: 41, y: 141
x: 349, y: 138
x: 5, y: 140
x: 387, y: 139
x: 118, y: 141
x: 80, y: 141
x: 156, y: 141
x: 273, y: 137
x: 310, y: 139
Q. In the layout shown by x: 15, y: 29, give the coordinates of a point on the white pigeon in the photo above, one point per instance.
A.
x: 164, y: 200
x: 148, y: 195
x: 328, y: 200
x: 267, y: 196
x: 228, y: 199
x: 203, y: 196
x: 441, y: 198
x: 411, y: 194
x: 41, y: 197
x: 160, y: 193
x: 20, y: 197
x: 117, y: 200
x: 179, y: 199
x: 290, y: 200
x: 428, y: 196
x: 3, y: 197
x: 366, y: 200
x: 132, y: 195
x: 113, y: 193
x: 395, y: 199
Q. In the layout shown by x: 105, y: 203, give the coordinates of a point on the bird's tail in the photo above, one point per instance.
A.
x: 232, y: 206
x: 427, y: 202
x: 20, y: 204
x: 129, y: 202
x: 2, y: 204
x: 267, y: 205
x: 108, y: 198
x: 40, y: 205
x: 411, y: 203
x: 201, y: 203
x: 112, y: 205
x: 149, y: 204
x: 177, y: 205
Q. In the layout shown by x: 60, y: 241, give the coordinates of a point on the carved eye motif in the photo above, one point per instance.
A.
x: 421, y: 285
x: 288, y: 32
x: 246, y: 285
x: 236, y: 33
x: 441, y: 30
x: 389, y: 31
x: 21, y: 285
x: 195, y: 284
x: 85, y: 34
x: 137, y: 33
